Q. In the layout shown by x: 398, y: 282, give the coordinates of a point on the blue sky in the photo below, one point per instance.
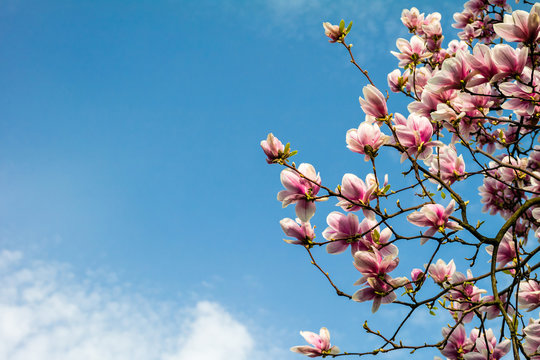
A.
x: 132, y: 178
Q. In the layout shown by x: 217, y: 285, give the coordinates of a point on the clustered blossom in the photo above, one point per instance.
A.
x: 487, y: 349
x: 520, y: 26
x: 475, y: 102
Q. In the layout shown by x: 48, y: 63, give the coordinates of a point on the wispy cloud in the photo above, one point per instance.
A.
x: 48, y: 313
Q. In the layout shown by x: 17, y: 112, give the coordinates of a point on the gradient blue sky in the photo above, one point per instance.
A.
x: 130, y: 164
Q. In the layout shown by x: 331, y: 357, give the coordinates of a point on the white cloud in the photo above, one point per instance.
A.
x: 48, y: 313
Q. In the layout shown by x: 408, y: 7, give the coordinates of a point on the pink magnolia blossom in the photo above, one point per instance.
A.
x: 398, y: 82
x: 529, y: 294
x: 300, y: 190
x: 415, y: 136
x: 523, y: 99
x: 489, y: 350
x: 454, y: 46
x: 448, y: 165
x: 506, y: 252
x: 366, y: 140
x: 302, y: 231
x: 355, y: 189
x: 532, y: 339
x: 493, y: 311
x: 430, y: 100
x: 419, y: 80
x: 412, y: 52
x: 381, y: 292
x: 463, y: 18
x: 412, y: 19
x: 320, y: 344
x: 458, y: 343
x: 455, y: 74
x: 374, y: 264
x: 374, y: 103
x: 481, y: 62
x: 476, y: 105
x: 344, y: 230
x: 534, y: 159
x: 417, y: 274
x: 520, y: 26
x: 332, y: 31
x: 272, y: 147
x: 510, y: 61
x: 470, y: 32
x: 464, y: 296
x: 510, y: 174
x: 432, y: 31
x: 441, y: 272
x: 498, y: 197
x: 434, y: 216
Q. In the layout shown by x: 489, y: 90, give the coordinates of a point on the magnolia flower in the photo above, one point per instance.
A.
x: 374, y: 103
x: 381, y: 292
x: 463, y: 296
x: 412, y: 19
x: 492, y: 311
x: 436, y: 217
x: 344, y: 230
x: 523, y: 99
x: 396, y: 81
x: 320, y: 344
x: 489, y: 350
x: 273, y: 148
x: 332, y: 31
x: 506, y: 252
x: 520, y: 26
x: 366, y: 140
x: 448, y: 165
x: 482, y: 62
x: 415, y: 137
x: 374, y: 264
x: 509, y: 61
x: 440, y: 272
x: 302, y: 231
x: 417, y: 274
x: 457, y: 343
x: 532, y: 339
x: 455, y: 74
x: 355, y: 189
x: 412, y: 52
x: 529, y: 294
x: 300, y: 190
x: 497, y: 197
